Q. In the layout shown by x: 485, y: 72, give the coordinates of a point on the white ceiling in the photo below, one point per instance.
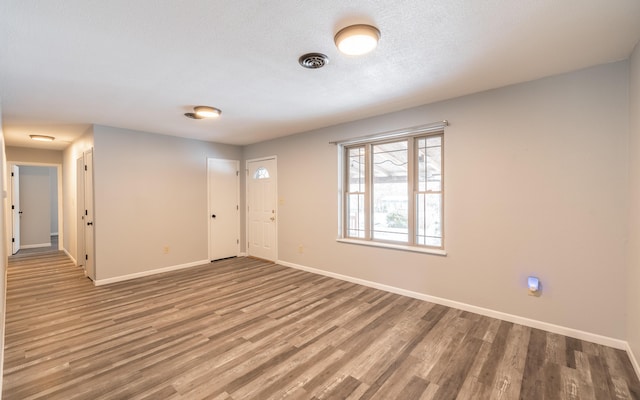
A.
x: 141, y: 64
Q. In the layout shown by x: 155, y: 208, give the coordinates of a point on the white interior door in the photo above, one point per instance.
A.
x: 224, y: 210
x: 15, y: 209
x: 262, y: 179
x: 80, y: 253
x: 89, y: 245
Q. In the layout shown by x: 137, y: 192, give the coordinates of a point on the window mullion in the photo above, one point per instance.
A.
x: 411, y: 192
x: 345, y: 192
x: 441, y: 190
x: 368, y: 209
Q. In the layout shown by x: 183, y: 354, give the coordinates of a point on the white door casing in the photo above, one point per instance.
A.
x: 80, y: 210
x: 89, y: 243
x: 15, y: 209
x: 262, y: 213
x: 15, y: 218
x: 224, y: 210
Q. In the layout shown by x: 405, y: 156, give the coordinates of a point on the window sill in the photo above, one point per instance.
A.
x: 413, y: 249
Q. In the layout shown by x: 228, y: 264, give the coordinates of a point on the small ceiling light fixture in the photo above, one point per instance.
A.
x: 206, y: 112
x: 356, y: 40
x: 202, y: 112
x: 42, y: 138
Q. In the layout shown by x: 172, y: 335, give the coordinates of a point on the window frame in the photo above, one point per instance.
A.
x: 411, y: 136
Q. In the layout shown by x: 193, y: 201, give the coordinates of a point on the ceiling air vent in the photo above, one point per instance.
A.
x: 313, y: 60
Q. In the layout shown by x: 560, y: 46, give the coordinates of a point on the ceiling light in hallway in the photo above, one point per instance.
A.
x: 42, y: 138
x: 203, y: 112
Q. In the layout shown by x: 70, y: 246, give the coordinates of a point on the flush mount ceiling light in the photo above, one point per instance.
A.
x: 207, y: 112
x: 202, y: 112
x: 42, y: 138
x: 356, y: 40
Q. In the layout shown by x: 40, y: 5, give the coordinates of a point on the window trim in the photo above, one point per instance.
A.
x: 411, y: 135
x: 387, y: 245
x: 414, y: 131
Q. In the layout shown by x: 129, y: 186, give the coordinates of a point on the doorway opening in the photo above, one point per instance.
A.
x: 35, y: 193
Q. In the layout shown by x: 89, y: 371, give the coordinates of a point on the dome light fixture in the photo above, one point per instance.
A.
x: 356, y: 40
x: 42, y: 138
x: 202, y: 112
x: 206, y: 112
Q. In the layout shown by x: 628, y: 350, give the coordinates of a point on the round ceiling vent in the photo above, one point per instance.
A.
x: 313, y: 60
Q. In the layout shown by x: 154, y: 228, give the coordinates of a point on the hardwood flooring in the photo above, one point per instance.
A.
x: 53, y: 247
x: 249, y: 329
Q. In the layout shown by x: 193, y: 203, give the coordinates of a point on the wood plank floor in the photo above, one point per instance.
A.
x: 249, y: 329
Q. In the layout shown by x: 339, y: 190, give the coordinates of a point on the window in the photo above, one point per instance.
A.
x: 393, y: 191
x: 261, y: 173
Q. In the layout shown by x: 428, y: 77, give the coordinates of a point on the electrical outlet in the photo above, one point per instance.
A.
x: 165, y: 249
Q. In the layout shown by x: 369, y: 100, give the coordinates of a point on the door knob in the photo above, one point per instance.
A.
x: 213, y: 216
x: 89, y: 223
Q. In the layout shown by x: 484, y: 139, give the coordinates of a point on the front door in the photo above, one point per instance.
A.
x: 262, y: 179
x: 224, y: 210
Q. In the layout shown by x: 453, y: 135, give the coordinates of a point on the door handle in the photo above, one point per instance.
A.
x: 213, y: 216
x: 89, y: 223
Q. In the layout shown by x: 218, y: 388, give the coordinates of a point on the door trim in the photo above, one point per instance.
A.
x: 246, y: 204
x: 15, y: 234
x: 79, y: 212
x: 58, y: 167
x: 90, y: 207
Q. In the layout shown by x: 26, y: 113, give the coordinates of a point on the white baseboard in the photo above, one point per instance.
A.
x: 33, y: 246
x: 70, y: 256
x: 107, y: 281
x: 242, y: 254
x: 634, y: 360
x: 562, y: 330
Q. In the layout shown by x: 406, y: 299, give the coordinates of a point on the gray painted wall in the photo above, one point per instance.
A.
x: 150, y: 192
x: 35, y: 204
x: 40, y: 156
x: 535, y: 184
x: 633, y: 288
